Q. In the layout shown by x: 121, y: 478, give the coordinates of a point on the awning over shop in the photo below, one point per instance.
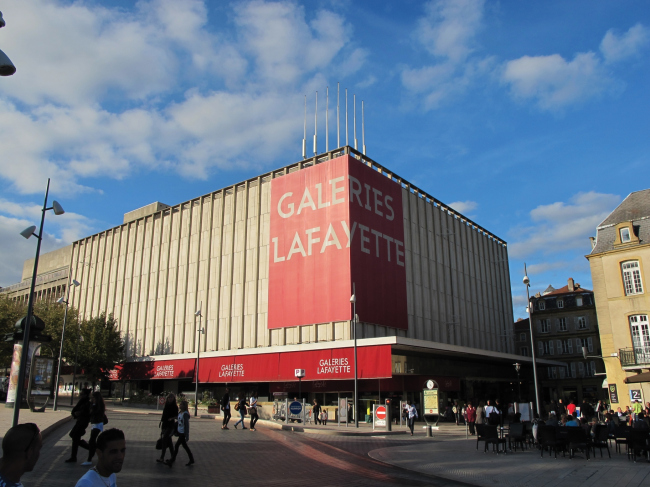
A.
x: 643, y: 377
x: 319, y: 365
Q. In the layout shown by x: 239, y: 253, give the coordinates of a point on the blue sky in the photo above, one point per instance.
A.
x: 531, y: 118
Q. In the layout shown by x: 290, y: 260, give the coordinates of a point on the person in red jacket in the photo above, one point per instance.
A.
x: 471, y: 417
x: 571, y: 408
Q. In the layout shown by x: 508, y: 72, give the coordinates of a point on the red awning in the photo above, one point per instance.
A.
x: 327, y: 364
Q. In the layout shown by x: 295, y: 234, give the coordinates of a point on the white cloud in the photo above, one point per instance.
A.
x: 562, y: 226
x: 555, y: 82
x: 447, y: 32
x: 615, y: 48
x: 449, y: 27
x: 464, y: 206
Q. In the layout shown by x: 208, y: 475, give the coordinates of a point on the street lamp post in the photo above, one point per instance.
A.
x: 518, y: 369
x: 74, y: 283
x: 28, y: 232
x: 532, y: 347
x: 353, y: 300
x: 198, y: 351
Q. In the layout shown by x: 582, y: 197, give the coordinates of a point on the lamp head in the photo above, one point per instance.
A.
x: 60, y: 300
x: 58, y: 209
x: 517, y: 366
x: 28, y: 232
x: 7, y: 68
x: 2, y: 21
x: 76, y: 283
x: 353, y: 298
x: 526, y: 280
x: 198, y: 313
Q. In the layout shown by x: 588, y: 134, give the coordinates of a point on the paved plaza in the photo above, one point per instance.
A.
x: 273, y: 456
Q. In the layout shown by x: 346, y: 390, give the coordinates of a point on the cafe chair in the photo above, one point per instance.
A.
x: 577, y: 440
x: 601, y: 440
x: 548, y: 438
x: 637, y: 443
x: 621, y: 434
x: 492, y: 437
x: 516, y: 435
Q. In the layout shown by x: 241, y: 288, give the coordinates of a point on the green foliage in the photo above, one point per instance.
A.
x: 10, y: 312
x: 101, y: 349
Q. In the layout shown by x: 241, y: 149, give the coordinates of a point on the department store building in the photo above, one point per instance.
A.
x: 272, y: 262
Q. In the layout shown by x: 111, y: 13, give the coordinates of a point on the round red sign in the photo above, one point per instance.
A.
x: 381, y: 412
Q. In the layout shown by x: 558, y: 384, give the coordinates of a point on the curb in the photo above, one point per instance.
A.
x: 46, y: 432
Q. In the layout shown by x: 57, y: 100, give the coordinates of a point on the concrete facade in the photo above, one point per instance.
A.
x: 623, y: 310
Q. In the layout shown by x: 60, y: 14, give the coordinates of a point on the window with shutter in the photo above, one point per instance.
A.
x: 550, y: 347
x: 562, y: 372
x: 593, y: 367
x: 579, y: 345
x: 570, y: 343
x: 573, y: 369
x: 581, y: 369
x: 590, y: 345
x: 540, y: 346
x: 554, y: 370
x: 558, y: 346
x: 581, y: 323
x: 561, y: 324
x: 539, y: 326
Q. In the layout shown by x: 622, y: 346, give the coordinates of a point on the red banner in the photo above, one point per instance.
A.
x: 328, y: 364
x: 333, y: 224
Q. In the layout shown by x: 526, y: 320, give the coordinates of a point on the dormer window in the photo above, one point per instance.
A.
x: 542, y: 305
x: 578, y: 300
x: 560, y: 303
x: 625, y: 234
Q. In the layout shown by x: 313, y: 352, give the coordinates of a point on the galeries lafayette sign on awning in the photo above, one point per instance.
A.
x: 329, y: 364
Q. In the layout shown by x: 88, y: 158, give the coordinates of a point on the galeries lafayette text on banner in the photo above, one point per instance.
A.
x: 333, y: 224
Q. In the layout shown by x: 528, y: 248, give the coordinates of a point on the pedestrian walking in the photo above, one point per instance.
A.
x: 97, y: 421
x: 471, y: 417
x: 21, y: 447
x: 168, y: 426
x: 253, y: 412
x: 241, y: 407
x: 111, y: 450
x: 316, y: 411
x: 413, y: 414
x: 81, y: 414
x: 225, y: 407
x: 183, y: 430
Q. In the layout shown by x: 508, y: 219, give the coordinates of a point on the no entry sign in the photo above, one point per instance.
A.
x: 380, y: 415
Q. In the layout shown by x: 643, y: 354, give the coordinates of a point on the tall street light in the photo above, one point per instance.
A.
x: 353, y: 300
x: 74, y: 283
x: 532, y: 343
x: 28, y: 232
x: 198, y: 352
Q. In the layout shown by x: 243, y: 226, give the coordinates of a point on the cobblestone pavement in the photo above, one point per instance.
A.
x: 233, y: 457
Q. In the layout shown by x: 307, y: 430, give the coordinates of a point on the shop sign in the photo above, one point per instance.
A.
x: 613, y: 395
x: 333, y: 224
x: 635, y: 395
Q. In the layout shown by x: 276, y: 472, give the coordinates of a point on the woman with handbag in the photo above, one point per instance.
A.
x: 97, y: 421
x: 241, y: 407
x: 183, y: 429
x: 81, y: 413
x: 253, y: 412
x: 168, y: 426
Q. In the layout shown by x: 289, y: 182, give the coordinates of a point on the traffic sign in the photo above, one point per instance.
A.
x: 295, y: 408
x: 381, y: 412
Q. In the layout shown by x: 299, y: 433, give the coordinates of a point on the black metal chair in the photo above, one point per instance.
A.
x: 601, y: 440
x: 577, y: 440
x: 516, y: 435
x: 549, y: 438
x: 480, y: 434
x: 620, y: 437
x: 638, y: 443
x: 492, y: 438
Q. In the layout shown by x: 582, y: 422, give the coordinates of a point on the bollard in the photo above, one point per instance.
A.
x: 429, y: 432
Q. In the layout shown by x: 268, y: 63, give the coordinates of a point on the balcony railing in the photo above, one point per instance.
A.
x: 634, y: 356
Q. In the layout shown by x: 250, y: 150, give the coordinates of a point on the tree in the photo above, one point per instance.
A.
x: 10, y: 312
x: 102, y: 347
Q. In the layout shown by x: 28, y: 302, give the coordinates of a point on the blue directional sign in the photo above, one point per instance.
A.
x: 295, y: 408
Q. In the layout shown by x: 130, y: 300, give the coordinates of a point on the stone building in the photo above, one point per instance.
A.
x: 620, y: 262
x: 564, y: 321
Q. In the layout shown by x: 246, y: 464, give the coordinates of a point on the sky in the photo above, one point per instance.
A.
x: 531, y: 118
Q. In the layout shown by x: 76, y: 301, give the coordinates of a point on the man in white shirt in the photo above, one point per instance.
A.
x: 21, y: 447
x: 111, y: 449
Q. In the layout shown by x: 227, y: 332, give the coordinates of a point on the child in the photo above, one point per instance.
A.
x: 183, y: 428
x: 324, y: 417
